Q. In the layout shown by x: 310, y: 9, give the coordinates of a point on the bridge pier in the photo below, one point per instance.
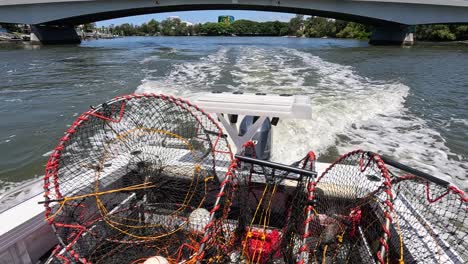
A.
x: 54, y: 34
x: 392, y: 35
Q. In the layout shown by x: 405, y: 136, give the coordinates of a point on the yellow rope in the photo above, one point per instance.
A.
x: 103, y: 210
x: 145, y: 237
x: 188, y: 197
x: 70, y: 198
x: 259, y: 220
x: 249, y: 232
x: 324, y: 255
x: 62, y: 204
x: 266, y: 222
x: 209, y: 178
x: 340, y: 241
x: 401, y: 260
x: 315, y: 212
x: 269, y: 205
x: 114, y: 223
x: 184, y: 205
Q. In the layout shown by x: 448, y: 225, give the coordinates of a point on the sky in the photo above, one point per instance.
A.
x: 201, y: 17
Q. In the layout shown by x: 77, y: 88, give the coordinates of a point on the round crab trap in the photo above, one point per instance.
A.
x: 260, y: 215
x: 132, y: 179
x: 349, y: 212
x: 360, y: 211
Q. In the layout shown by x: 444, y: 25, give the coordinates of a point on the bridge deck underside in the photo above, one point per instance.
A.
x: 383, y: 12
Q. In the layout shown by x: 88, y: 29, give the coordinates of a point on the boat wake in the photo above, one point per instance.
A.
x: 349, y: 110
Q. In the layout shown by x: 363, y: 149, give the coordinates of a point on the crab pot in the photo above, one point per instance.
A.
x: 133, y: 179
x: 361, y: 212
x: 260, y: 216
x: 350, y: 206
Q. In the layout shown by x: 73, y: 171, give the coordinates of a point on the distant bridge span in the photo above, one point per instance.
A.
x: 393, y: 15
x: 407, y: 12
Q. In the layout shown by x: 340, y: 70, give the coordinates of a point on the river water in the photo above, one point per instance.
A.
x: 407, y: 103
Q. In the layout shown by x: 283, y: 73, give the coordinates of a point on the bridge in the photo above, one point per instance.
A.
x: 53, y: 20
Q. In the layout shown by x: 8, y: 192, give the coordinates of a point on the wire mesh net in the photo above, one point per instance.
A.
x: 362, y: 212
x: 430, y: 222
x: 350, y: 204
x: 260, y: 216
x: 132, y: 179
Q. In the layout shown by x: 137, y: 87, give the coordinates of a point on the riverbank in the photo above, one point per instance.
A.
x: 13, y: 37
x: 95, y: 35
x: 25, y: 39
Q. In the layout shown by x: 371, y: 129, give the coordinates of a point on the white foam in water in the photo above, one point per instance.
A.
x: 7, y: 139
x: 149, y: 59
x: 458, y: 121
x: 48, y: 153
x: 259, y: 69
x: 349, y: 111
x: 14, y: 100
x: 189, y: 77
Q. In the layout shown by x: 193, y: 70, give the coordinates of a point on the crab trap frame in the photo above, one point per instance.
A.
x: 132, y: 178
x: 371, y: 209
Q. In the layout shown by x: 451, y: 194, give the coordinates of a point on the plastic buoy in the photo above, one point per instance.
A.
x: 156, y: 260
x: 198, y: 219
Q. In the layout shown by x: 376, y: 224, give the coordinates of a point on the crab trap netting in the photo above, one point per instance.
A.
x: 360, y: 212
x: 430, y: 221
x: 349, y: 212
x: 260, y: 216
x: 132, y: 179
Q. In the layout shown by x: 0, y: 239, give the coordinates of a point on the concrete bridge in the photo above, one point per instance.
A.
x: 53, y: 20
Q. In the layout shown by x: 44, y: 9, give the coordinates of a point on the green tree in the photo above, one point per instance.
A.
x: 127, y: 30
x: 10, y: 27
x: 461, y: 32
x: 166, y: 27
x: 340, y: 25
x: 271, y: 28
x: 216, y: 29
x: 172, y: 27
x: 317, y: 27
x: 153, y: 27
x: 284, y: 31
x: 181, y: 29
x: 296, y: 25
x: 435, y: 33
x: 281, y: 28
x: 245, y: 27
x: 144, y: 29
x: 311, y: 27
x: 90, y: 27
x: 194, y: 30
x: 355, y: 30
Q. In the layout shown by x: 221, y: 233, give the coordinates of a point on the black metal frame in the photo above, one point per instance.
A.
x: 313, y: 174
x: 278, y: 166
x: 413, y: 171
